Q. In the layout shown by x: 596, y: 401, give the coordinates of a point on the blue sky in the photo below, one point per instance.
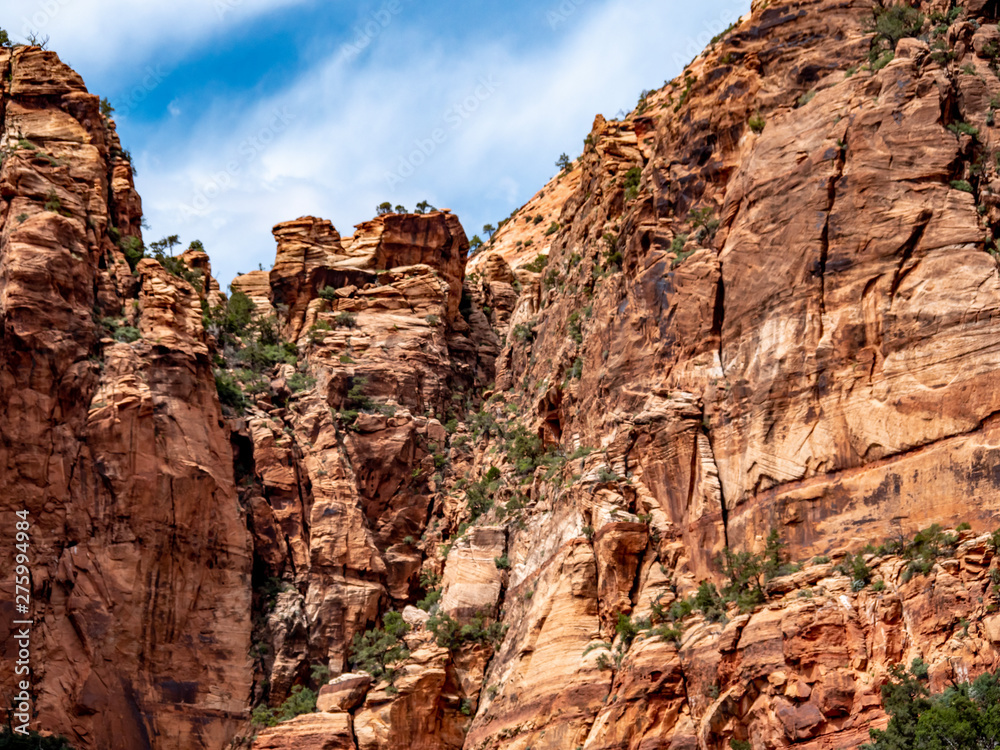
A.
x: 243, y: 113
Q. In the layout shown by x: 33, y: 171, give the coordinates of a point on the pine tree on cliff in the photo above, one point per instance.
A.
x: 4, y: 38
x: 966, y: 716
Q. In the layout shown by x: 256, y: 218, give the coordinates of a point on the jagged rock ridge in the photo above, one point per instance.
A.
x: 761, y: 301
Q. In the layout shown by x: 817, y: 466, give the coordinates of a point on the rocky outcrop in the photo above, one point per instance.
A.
x: 321, y: 731
x: 345, y: 475
x: 764, y: 301
x: 112, y: 438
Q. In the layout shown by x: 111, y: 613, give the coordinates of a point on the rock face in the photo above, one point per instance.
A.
x: 139, y: 552
x: 767, y: 300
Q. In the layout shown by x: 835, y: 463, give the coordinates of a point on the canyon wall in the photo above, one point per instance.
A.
x: 765, y: 300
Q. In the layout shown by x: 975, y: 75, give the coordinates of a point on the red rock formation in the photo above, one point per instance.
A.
x: 139, y: 553
x: 764, y: 302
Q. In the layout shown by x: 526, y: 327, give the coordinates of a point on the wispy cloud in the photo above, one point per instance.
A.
x: 98, y: 35
x: 475, y: 117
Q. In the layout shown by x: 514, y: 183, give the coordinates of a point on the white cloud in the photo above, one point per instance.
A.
x: 481, y: 126
x: 100, y: 35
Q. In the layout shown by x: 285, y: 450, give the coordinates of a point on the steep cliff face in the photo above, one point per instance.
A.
x: 767, y: 300
x: 140, y: 556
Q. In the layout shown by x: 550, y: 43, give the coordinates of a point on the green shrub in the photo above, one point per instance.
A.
x: 432, y: 597
x: 346, y: 320
x: 432, y: 320
x: 745, y: 572
x: 756, y: 123
x: 328, y: 293
x: 963, y: 128
x: 626, y: 628
x: 684, y: 607
x: 891, y: 24
x: 178, y: 268
x: 238, y: 313
x: 52, y: 203
x: 319, y: 673
x: 553, y: 228
x: 605, y: 475
x: 689, y: 82
x: 524, y: 450
x: 378, y: 649
x: 537, y: 264
x: 775, y: 561
x: 301, y: 701
x: 995, y: 541
x: 575, y: 371
x: 857, y: 569
x: 575, y: 327
x: 483, y: 423
x: 356, y: 398
x: 962, y: 185
x: 524, y: 332
x: 632, y: 179
x: 963, y: 717
x: 668, y: 633
x: 10, y: 740
x: 704, y: 221
x: 448, y: 633
x: 479, y: 495
x: 502, y: 563
x: 709, y: 602
x: 133, y: 249
x: 926, y: 546
x: 229, y: 390
x: 261, y: 357
x: 300, y: 382
x: 886, y: 57
x: 269, y: 591
x: 127, y: 334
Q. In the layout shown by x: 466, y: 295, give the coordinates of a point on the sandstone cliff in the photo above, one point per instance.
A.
x: 766, y: 300
x: 118, y: 450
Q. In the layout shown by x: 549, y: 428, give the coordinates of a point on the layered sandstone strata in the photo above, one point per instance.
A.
x: 114, y: 443
x: 764, y: 301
